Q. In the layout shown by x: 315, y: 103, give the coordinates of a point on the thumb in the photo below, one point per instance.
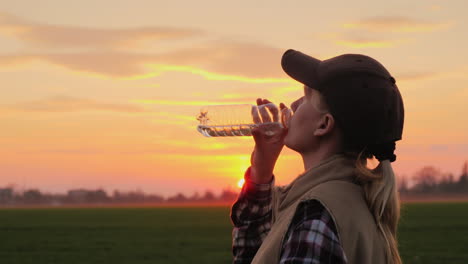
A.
x: 256, y: 133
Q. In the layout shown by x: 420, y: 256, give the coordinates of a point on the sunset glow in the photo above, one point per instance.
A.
x: 240, y: 183
x: 109, y: 98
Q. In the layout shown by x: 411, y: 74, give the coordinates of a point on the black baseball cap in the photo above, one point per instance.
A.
x: 362, y: 95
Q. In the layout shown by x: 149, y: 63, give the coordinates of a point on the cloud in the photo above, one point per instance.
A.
x: 219, y: 60
x: 63, y: 36
x: 434, y: 8
x: 442, y: 148
x: 415, y: 76
x: 93, y: 51
x: 365, y: 33
x: 454, y: 73
x: 12, y: 60
x: 185, y: 102
x: 71, y: 104
x: 367, y: 43
x: 396, y: 24
x: 360, y: 40
x: 228, y: 60
x: 446, y: 148
x: 237, y: 97
x: 217, y: 76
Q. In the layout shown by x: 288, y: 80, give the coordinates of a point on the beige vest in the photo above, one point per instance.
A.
x: 330, y: 182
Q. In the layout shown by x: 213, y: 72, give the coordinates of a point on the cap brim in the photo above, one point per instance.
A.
x: 301, y: 67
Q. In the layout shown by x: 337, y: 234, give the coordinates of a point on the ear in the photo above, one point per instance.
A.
x: 325, y: 125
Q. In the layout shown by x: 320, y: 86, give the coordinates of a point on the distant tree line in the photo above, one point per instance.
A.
x: 9, y: 196
x: 428, y: 180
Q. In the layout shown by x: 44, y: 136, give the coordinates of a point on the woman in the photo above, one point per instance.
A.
x: 338, y: 210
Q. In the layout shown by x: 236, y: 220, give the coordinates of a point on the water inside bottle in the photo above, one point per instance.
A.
x: 225, y: 131
x: 237, y: 130
x: 238, y: 120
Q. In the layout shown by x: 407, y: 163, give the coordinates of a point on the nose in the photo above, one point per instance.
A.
x: 296, y: 104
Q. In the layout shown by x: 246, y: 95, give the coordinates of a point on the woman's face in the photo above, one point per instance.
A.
x: 307, y: 118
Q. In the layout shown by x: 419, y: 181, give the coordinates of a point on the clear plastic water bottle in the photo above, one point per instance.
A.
x: 238, y: 120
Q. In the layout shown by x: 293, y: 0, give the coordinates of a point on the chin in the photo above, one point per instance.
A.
x: 290, y: 143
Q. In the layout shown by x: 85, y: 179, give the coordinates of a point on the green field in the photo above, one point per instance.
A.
x: 429, y: 233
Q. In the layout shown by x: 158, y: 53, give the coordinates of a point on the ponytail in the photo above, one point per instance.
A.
x: 381, y: 194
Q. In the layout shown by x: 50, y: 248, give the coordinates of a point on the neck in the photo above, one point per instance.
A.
x: 312, y: 159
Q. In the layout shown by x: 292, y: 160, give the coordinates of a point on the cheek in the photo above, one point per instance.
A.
x: 300, y: 130
x: 299, y: 121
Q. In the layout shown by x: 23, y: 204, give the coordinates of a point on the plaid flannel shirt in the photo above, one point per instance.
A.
x: 311, y: 236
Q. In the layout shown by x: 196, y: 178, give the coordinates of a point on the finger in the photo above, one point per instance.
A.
x: 274, y: 111
x: 259, y: 101
x: 284, y: 111
x: 264, y: 114
x: 282, y: 106
x: 286, y: 115
x: 256, y: 115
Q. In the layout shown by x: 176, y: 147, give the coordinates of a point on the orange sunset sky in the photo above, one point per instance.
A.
x: 104, y: 94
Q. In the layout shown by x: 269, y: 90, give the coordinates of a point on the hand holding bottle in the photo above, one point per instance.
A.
x: 269, y: 141
x: 267, y: 123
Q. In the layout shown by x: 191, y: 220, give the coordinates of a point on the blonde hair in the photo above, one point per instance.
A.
x: 379, y: 185
x: 382, y: 198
